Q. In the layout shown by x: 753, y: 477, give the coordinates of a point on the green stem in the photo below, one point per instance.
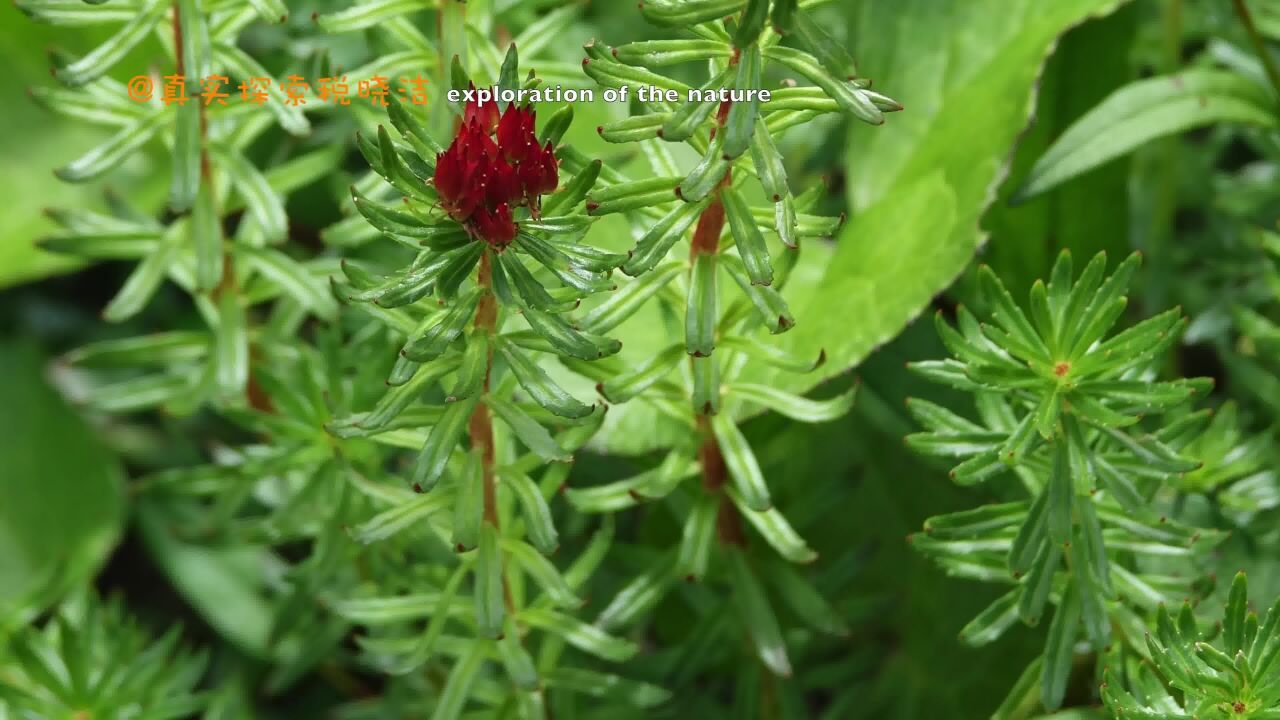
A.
x: 1259, y: 45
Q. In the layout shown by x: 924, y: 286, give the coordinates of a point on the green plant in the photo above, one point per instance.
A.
x: 1225, y: 672
x: 698, y: 382
x: 90, y: 659
x: 1061, y: 406
x: 428, y: 410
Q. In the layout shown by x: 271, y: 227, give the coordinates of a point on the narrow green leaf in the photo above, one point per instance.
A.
x: 776, y: 531
x: 296, y: 280
x: 113, y: 151
x: 634, y: 381
x: 231, y: 344
x: 206, y: 237
x: 556, y: 126
x: 187, y: 152
x: 640, y: 595
x: 698, y: 538
x: 106, y: 55
x: 468, y: 509
x: 800, y: 595
x: 702, y: 310
x: 661, y: 53
x: 851, y: 99
x: 534, y: 436
x: 658, y: 240
x: 772, y: 173
x: 706, y: 175
x: 751, y: 24
x: 1059, y: 649
x: 444, y: 329
x: 489, y: 590
x: 741, y: 462
x: 1031, y: 535
x: 539, y: 385
x: 145, y: 278
x: 832, y: 54
x: 565, y: 339
x: 794, y: 406
x: 991, y: 623
x: 401, y: 517
x: 444, y: 437
x: 543, y: 573
x: 534, y: 510
x: 739, y: 125
x: 747, y: 237
x: 782, y: 16
x: 688, y: 12
x: 692, y: 112
x: 758, y: 616
x: 587, y: 638
x: 1143, y: 111
x: 574, y: 191
x: 1233, y: 621
x: 706, y: 385
x: 605, y: 686
x: 366, y: 15
x: 516, y: 660
x: 457, y: 687
x: 1061, y: 493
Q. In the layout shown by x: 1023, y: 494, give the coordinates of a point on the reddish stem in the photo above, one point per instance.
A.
x: 714, y: 476
x: 480, y: 427
x: 706, y: 240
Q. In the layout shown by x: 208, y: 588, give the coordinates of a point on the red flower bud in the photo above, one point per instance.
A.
x: 480, y: 180
x: 495, y: 226
x: 515, y: 133
x: 486, y: 115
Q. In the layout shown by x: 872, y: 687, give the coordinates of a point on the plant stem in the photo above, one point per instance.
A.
x: 706, y: 240
x: 714, y: 476
x: 480, y: 427
x: 1259, y: 45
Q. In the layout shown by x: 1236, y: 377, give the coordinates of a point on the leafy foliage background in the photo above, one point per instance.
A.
x: 988, y: 86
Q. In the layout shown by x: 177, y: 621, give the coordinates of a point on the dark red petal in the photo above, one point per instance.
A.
x: 504, y: 184
x: 495, y: 226
x: 484, y: 116
x: 448, y: 178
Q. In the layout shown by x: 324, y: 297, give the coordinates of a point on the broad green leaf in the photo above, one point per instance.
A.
x: 61, y: 493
